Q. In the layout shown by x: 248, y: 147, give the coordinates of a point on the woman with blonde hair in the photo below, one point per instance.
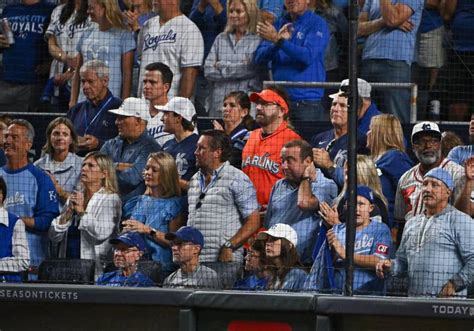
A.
x: 229, y: 65
x: 387, y: 149
x: 160, y: 209
x: 91, y: 214
x: 367, y: 176
x: 111, y: 42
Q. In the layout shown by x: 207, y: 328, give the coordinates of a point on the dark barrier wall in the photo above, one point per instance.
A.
x: 68, y: 307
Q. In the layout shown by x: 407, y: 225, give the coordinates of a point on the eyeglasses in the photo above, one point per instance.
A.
x: 429, y: 141
x: 199, y: 203
x: 125, y: 251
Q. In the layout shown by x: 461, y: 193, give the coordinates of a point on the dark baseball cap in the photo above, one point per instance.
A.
x: 187, y: 234
x: 132, y: 239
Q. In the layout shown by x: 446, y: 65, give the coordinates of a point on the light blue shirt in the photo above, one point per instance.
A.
x: 392, y: 43
x: 283, y: 208
x: 436, y: 249
x: 158, y: 213
x: 460, y: 154
x: 107, y: 46
x: 66, y: 173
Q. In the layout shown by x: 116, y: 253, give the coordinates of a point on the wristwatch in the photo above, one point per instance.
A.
x: 307, y: 178
x: 279, y: 42
x: 152, y: 233
x: 228, y: 244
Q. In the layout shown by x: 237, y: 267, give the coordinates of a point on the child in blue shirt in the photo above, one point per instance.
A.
x: 372, y: 243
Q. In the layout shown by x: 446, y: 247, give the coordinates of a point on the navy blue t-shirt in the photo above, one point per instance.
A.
x: 337, y: 148
x: 183, y: 153
x: 28, y: 24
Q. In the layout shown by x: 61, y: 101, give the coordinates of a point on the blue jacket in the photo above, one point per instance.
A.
x: 117, y: 279
x: 131, y: 181
x: 31, y: 193
x: 209, y: 23
x: 301, y: 58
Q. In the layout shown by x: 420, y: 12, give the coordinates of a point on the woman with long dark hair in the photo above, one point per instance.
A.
x: 282, y: 263
x: 59, y: 160
x: 69, y: 22
x: 237, y: 123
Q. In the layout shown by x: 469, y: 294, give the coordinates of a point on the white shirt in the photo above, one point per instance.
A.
x: 178, y: 44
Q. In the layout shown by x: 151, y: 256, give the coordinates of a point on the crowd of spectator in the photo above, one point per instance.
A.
x: 127, y: 176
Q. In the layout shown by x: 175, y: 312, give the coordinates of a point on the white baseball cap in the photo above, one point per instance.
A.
x: 181, y: 106
x: 135, y: 107
x: 281, y: 230
x: 425, y: 127
x: 363, y: 87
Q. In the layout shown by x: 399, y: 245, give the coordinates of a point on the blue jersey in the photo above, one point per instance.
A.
x: 390, y: 167
x: 117, y: 279
x: 337, y: 148
x: 28, y: 24
x: 374, y: 239
x: 183, y: 153
x: 31, y: 193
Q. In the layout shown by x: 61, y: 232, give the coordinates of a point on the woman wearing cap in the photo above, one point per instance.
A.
x: 256, y: 278
x: 229, y: 65
x: 90, y: 217
x: 59, y: 161
x: 282, y: 262
x: 387, y: 149
x: 372, y: 244
x: 237, y: 123
x: 159, y: 210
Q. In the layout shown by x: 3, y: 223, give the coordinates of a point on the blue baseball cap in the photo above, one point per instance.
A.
x: 187, y: 234
x: 442, y: 175
x: 132, y: 239
x: 366, y: 192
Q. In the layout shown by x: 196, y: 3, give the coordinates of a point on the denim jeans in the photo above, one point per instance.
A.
x: 393, y: 101
x: 303, y: 113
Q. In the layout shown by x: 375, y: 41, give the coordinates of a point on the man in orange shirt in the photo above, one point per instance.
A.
x: 261, y: 155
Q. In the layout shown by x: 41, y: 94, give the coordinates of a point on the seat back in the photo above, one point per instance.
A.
x: 152, y: 269
x: 69, y: 271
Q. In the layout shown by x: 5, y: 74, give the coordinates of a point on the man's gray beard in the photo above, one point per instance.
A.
x: 428, y: 160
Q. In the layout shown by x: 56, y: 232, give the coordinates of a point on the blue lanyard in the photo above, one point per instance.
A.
x: 87, y: 126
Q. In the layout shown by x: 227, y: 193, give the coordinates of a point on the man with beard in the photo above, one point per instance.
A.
x: 261, y: 154
x: 437, y: 250
x: 426, y: 141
